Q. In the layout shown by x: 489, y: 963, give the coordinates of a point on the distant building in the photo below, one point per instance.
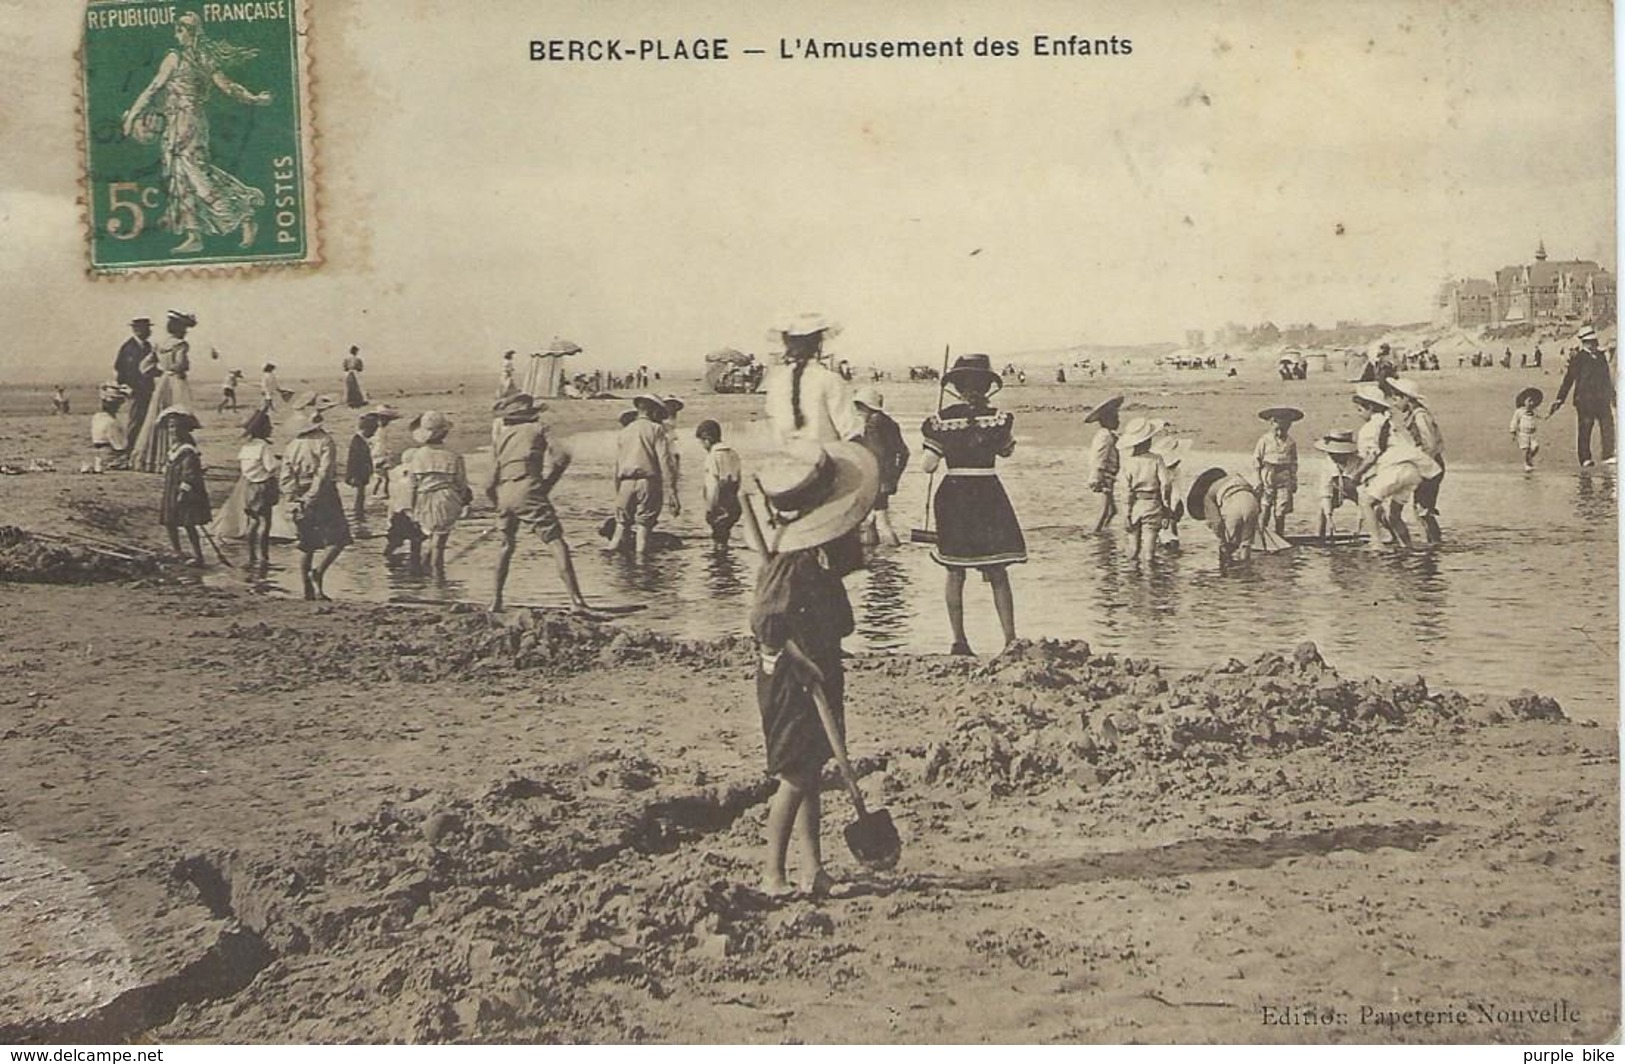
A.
x: 1567, y: 291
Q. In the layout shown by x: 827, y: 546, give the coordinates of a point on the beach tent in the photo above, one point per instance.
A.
x: 728, y: 371
x: 544, y: 377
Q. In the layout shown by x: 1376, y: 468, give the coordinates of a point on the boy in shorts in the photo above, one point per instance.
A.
x: 524, y: 468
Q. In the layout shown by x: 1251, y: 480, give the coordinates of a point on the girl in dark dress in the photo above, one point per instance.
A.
x: 813, y: 498
x: 976, y: 525
x: 186, y: 498
x: 358, y: 468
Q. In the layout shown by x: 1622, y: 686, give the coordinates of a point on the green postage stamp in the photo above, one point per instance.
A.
x: 197, y: 135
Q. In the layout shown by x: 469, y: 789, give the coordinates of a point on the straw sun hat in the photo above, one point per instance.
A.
x: 869, y: 398
x: 971, y: 368
x: 814, y: 494
x: 1540, y: 396
x: 1196, y: 498
x: 432, y: 426
x: 1109, y: 406
x: 1371, y: 395
x: 1138, y: 431
x: 517, y: 407
x: 1279, y: 413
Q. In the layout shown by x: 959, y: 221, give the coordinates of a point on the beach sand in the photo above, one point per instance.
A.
x: 231, y: 817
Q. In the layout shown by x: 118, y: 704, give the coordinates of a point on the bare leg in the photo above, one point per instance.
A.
x: 253, y: 541
x: 813, y: 879
x: 1396, y: 524
x: 954, y: 596
x: 438, y: 556
x: 782, y: 813
x: 1108, y: 510
x: 871, y: 535
x: 1004, y: 601
x: 883, y: 525
x: 504, y: 557
x: 197, y: 547
x: 328, y: 559
x: 175, y: 538
x: 305, y: 558
x: 640, y: 540
x: 361, y: 502
x: 618, y: 538
x: 265, y: 541
x: 567, y: 572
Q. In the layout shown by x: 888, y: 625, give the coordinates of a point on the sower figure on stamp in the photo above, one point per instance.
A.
x: 200, y: 197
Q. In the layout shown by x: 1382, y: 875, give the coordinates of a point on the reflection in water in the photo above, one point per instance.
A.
x: 1594, y: 496
x: 1524, y: 582
x: 724, y: 576
x: 884, y: 610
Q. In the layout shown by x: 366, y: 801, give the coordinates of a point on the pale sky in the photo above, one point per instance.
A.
x: 474, y: 201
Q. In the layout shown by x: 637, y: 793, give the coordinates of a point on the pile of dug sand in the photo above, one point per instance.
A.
x: 29, y: 558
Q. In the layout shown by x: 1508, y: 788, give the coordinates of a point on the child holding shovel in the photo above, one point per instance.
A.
x: 809, y: 498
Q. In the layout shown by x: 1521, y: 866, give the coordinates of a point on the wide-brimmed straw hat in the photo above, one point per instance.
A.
x: 1403, y: 386
x: 109, y: 391
x: 432, y: 426
x: 1279, y: 413
x: 869, y: 398
x: 1371, y: 394
x: 1171, y: 451
x: 1138, y: 431
x: 563, y: 347
x: 1196, y: 498
x: 969, y: 368
x: 179, y: 415
x: 813, y: 494
x: 384, y: 412
x: 320, y: 403
x: 1586, y: 335
x: 141, y: 321
x: 1109, y: 406
x: 517, y: 407
x: 1336, y: 443
x: 187, y: 317
x: 1540, y: 396
x: 805, y: 325
x: 673, y: 404
x: 652, y: 403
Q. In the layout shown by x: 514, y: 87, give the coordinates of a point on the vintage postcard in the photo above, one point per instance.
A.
x: 197, y: 122
x: 775, y: 522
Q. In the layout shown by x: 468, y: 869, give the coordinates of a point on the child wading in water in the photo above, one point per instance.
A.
x: 813, y: 496
x: 1526, y: 425
x: 1148, y: 485
x: 1337, y: 486
x: 440, y: 488
x: 1103, y: 458
x: 1276, y: 457
x: 403, y: 530
x: 358, y: 467
x: 720, y: 487
x: 261, y: 493
x: 186, y: 498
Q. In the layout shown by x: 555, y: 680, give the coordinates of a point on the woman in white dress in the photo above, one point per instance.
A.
x: 171, y: 362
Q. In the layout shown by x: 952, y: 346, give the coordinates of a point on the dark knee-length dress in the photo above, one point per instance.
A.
x: 186, y: 497
x: 798, y: 598
x: 976, y: 525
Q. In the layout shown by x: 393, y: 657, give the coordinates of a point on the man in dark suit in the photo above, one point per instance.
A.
x: 1592, y: 379
x: 130, y: 369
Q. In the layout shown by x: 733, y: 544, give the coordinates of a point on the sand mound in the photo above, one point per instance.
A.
x: 28, y: 558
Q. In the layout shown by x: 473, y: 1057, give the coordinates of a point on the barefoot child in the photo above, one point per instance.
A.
x: 1526, y: 425
x: 440, y: 489
x: 185, y: 503
x: 1147, y: 485
x: 1228, y: 502
x: 358, y: 465
x: 1103, y: 462
x: 261, y: 493
x: 525, y: 465
x: 1337, y: 485
x: 719, y: 489
x: 642, y: 467
x: 403, y: 530
x: 308, y: 479
x: 1276, y: 458
x: 811, y: 497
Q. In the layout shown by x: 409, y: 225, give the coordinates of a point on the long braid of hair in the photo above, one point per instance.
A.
x: 795, y: 391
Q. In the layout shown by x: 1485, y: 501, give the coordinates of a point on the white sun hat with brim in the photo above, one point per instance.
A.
x: 431, y: 426
x: 1404, y: 386
x: 869, y: 398
x: 812, y: 494
x: 1371, y: 394
x: 1138, y: 431
x: 805, y: 325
